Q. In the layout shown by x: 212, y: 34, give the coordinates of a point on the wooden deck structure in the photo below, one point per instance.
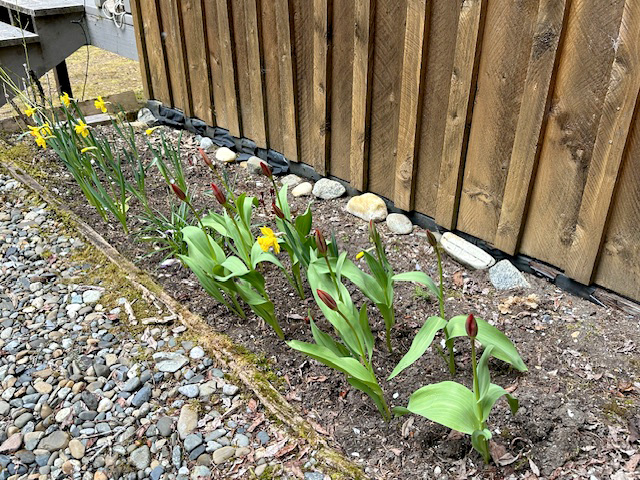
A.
x: 512, y: 121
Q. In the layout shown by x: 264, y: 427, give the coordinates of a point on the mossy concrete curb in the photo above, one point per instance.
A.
x: 220, y: 346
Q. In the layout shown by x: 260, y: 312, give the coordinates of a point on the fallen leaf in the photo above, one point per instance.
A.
x: 534, y: 468
x: 406, y: 427
x: 632, y: 463
x: 287, y: 449
x: 458, y: 279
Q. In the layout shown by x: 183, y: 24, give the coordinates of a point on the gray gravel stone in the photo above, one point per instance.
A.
x: 328, y: 189
x: 140, y: 457
x: 504, y: 276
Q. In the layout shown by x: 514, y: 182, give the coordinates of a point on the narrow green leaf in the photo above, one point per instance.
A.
x: 418, y: 277
x: 421, y: 342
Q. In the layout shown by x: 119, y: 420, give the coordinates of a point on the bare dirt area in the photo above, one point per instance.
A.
x: 579, y: 415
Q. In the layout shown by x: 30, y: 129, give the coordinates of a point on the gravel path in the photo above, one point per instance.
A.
x: 90, y: 390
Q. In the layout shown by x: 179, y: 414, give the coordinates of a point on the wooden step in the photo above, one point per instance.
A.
x: 43, y: 8
x: 11, y: 36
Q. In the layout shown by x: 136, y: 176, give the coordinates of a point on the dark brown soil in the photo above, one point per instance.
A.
x: 579, y: 400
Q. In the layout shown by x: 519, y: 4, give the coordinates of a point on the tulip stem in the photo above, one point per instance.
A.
x: 451, y: 360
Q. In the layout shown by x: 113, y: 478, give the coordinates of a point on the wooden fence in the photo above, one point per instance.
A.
x: 511, y: 120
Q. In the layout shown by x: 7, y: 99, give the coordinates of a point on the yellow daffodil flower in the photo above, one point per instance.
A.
x: 45, y: 130
x: 34, y: 131
x: 82, y: 129
x: 101, y: 105
x: 41, y: 142
x: 359, y: 255
x: 88, y: 149
x: 64, y: 98
x: 30, y: 111
x: 269, y: 240
x: 149, y: 131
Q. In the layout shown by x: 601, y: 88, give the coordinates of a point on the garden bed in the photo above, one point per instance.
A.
x: 579, y: 399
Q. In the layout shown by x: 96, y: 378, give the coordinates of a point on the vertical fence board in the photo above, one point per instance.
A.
x: 387, y: 67
x: 303, y: 46
x: 195, y: 42
x: 176, y: 65
x: 535, y: 101
x: 506, y: 44
x: 158, y: 71
x: 287, y: 81
x: 413, y: 62
x: 581, y: 84
x: 249, y: 68
x: 364, y: 14
x: 465, y: 62
x: 271, y: 67
x: 222, y: 64
x: 141, y: 45
x: 341, y: 87
x: 615, y: 123
x: 320, y: 133
x: 437, y: 82
x: 619, y: 264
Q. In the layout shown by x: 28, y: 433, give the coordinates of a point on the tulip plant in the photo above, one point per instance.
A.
x: 455, y: 406
x: 352, y: 355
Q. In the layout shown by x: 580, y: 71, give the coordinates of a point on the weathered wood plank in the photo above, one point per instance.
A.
x: 615, y: 124
x: 246, y: 30
x: 341, y: 85
x: 321, y: 84
x: 468, y: 38
x: 177, y: 71
x: 302, y: 26
x: 287, y: 80
x: 535, y: 101
x: 437, y: 82
x: 141, y: 45
x: 158, y: 67
x: 413, y: 63
x: 506, y: 46
x: 221, y: 64
x: 195, y: 44
x: 387, y: 67
x: 364, y: 15
x: 619, y: 264
x: 582, y: 80
x: 269, y: 42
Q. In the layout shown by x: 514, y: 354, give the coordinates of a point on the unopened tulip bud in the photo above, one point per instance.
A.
x: 327, y: 299
x: 432, y: 239
x: 321, y: 243
x: 471, y: 326
x: 178, y: 191
x: 266, y: 169
x: 222, y: 200
x: 205, y: 158
x: 276, y: 210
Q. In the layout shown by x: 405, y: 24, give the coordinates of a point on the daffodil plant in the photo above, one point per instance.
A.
x: 459, y: 408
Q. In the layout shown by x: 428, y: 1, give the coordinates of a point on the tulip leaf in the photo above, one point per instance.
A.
x: 480, y: 442
x: 421, y: 342
x: 325, y: 340
x: 488, y: 335
x: 447, y: 403
x: 417, y: 277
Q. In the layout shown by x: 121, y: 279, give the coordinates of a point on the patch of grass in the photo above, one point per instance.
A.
x: 420, y: 293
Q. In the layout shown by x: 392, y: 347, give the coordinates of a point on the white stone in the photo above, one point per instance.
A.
x: 328, y: 189
x: 170, y: 362
x: 226, y: 155
x: 399, y: 224
x: 367, y: 206
x: 253, y: 165
x: 302, y: 190
x: 91, y: 296
x: 187, y: 422
x: 505, y: 276
x: 465, y: 253
x: 291, y: 180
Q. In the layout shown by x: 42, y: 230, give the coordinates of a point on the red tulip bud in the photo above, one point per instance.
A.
x: 472, y: 326
x: 266, y: 170
x: 205, y: 158
x: 327, y: 299
x: 432, y: 239
x: 276, y: 210
x: 178, y: 191
x: 222, y: 200
x: 373, y: 232
x: 321, y: 243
